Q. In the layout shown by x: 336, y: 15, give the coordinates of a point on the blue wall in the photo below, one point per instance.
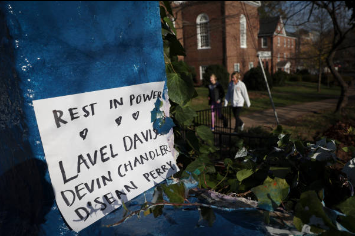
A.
x: 51, y: 49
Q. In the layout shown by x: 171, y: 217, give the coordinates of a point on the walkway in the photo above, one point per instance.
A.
x: 285, y: 114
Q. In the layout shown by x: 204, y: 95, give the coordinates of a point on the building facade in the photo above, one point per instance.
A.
x: 230, y: 33
x: 277, y: 47
x: 224, y: 33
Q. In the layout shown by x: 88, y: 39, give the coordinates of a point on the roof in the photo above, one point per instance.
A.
x: 291, y: 34
x: 268, y: 25
x: 282, y: 63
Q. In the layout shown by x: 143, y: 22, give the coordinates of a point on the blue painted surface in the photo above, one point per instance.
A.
x: 51, y: 49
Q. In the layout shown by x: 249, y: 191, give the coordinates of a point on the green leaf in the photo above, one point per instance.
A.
x: 210, y: 169
x: 243, y: 174
x: 192, y: 140
x: 124, y: 206
x: 345, y: 149
x: 205, y: 134
x: 266, y: 217
x: 185, y: 115
x: 280, y: 172
x: 309, y: 210
x: 162, y: 12
x: 208, y: 215
x: 196, y: 167
x: 348, y: 206
x: 168, y: 7
x: 278, y: 130
x: 168, y: 21
x: 300, y: 148
x: 271, y: 193
x: 177, y: 89
x: 175, y: 192
x: 234, y: 185
x: 228, y: 161
x: 175, y: 46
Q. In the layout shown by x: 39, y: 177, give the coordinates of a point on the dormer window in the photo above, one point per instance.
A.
x: 264, y: 42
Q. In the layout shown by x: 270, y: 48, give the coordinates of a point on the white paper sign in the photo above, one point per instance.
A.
x: 101, y: 149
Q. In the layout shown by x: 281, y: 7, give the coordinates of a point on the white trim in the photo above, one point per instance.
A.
x: 285, y: 43
x: 202, y: 72
x: 251, y: 65
x: 236, y: 67
x: 253, y: 3
x: 243, y: 35
x: 278, y: 41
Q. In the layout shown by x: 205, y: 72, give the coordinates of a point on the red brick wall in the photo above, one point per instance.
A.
x: 236, y: 54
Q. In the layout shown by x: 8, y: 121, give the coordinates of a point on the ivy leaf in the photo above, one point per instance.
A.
x: 300, y: 148
x: 185, y: 115
x: 168, y: 8
x: 228, y: 161
x: 162, y: 12
x: 234, y: 185
x: 175, y: 46
x: 348, y: 206
x: 196, y: 167
x: 271, y: 193
x: 205, y: 134
x: 168, y: 21
x: 280, y: 172
x: 192, y: 140
x: 309, y: 210
x: 278, y: 130
x: 175, y: 192
x: 177, y: 89
x: 243, y: 174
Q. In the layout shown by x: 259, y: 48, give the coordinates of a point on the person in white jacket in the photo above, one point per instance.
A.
x: 237, y: 92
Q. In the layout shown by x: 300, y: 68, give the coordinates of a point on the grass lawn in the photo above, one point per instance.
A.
x: 292, y: 93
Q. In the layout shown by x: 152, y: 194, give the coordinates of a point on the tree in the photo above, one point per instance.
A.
x: 272, y: 8
x: 342, y: 25
x: 337, y: 12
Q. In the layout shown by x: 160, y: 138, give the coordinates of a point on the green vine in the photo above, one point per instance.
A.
x: 298, y: 177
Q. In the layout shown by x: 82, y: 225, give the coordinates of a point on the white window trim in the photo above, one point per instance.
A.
x: 292, y: 43
x: 243, y: 35
x: 198, y: 21
x: 278, y: 57
x: 278, y: 41
x: 284, y: 42
x: 288, y: 42
x: 285, y: 55
x: 251, y: 65
x: 236, y: 67
x: 262, y: 42
x: 201, y: 72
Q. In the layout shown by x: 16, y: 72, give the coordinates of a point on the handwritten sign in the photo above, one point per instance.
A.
x: 101, y: 149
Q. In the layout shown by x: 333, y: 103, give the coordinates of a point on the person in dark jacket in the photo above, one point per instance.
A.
x: 215, y: 98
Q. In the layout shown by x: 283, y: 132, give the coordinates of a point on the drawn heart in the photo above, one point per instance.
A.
x: 118, y: 120
x: 83, y: 133
x: 135, y: 115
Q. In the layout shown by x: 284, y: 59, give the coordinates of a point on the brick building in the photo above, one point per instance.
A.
x: 223, y: 32
x: 277, y: 47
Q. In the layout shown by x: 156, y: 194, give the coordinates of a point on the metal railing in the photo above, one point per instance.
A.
x: 224, y: 137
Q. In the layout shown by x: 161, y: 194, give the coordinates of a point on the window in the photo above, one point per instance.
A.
x: 236, y: 67
x: 264, y: 42
x: 278, y: 29
x: 284, y: 42
x: 278, y: 41
x: 285, y: 55
x: 251, y: 65
x: 243, y: 32
x: 203, y: 34
x: 292, y: 43
x: 278, y: 57
x: 288, y: 42
x: 202, y: 71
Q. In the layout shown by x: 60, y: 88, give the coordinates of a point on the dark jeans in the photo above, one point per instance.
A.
x: 238, y: 121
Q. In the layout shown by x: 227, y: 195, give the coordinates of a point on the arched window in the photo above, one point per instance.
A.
x: 203, y: 32
x: 243, y: 32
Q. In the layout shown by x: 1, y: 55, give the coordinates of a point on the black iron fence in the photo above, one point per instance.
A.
x: 224, y: 137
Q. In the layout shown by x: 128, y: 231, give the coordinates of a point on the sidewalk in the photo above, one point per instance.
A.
x: 285, y: 114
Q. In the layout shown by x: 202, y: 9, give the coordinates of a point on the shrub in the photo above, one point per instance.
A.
x: 254, y: 79
x: 310, y: 78
x: 295, y: 78
x: 220, y: 72
x: 329, y: 80
x: 279, y: 78
x: 302, y: 72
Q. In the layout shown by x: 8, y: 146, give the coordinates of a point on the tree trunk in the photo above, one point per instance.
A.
x: 343, y: 99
